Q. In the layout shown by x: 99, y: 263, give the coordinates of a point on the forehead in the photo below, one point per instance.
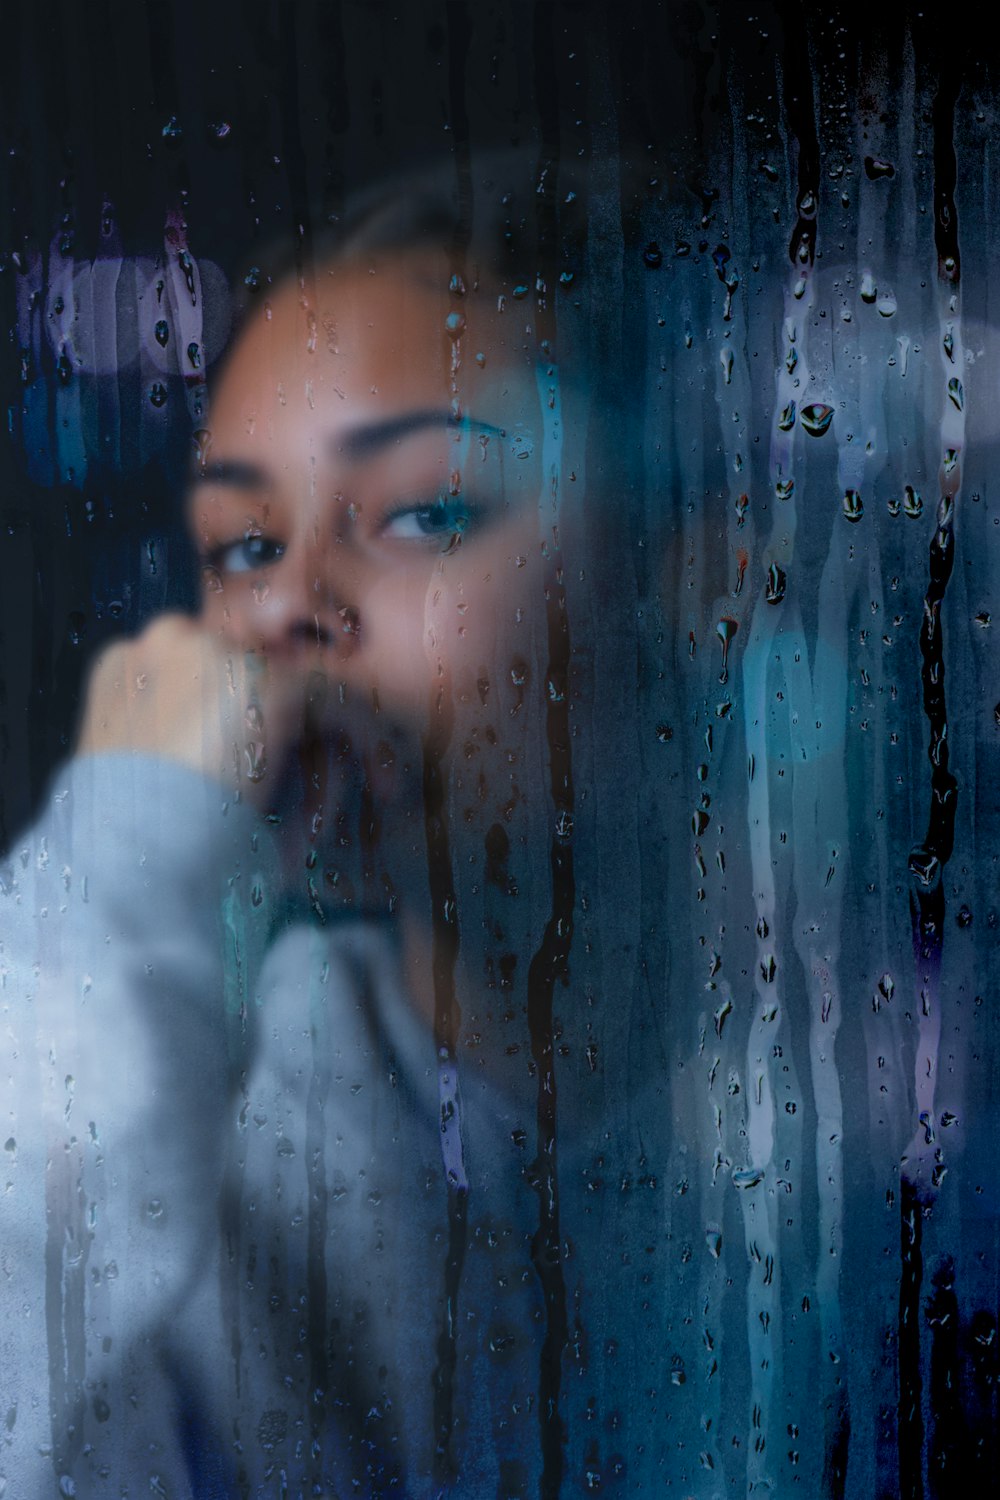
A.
x: 357, y: 343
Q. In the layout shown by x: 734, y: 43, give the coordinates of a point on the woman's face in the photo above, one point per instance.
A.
x: 369, y: 498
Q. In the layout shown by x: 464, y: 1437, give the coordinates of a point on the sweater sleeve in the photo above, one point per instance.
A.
x: 132, y: 921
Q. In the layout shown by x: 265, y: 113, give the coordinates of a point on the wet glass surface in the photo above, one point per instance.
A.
x: 566, y: 1063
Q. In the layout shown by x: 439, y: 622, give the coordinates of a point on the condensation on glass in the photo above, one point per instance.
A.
x: 713, y: 1207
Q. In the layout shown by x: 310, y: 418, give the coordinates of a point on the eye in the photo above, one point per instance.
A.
x: 246, y: 555
x: 440, y: 521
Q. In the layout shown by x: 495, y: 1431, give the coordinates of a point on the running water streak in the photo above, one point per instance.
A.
x: 447, y: 1022
x: 549, y: 965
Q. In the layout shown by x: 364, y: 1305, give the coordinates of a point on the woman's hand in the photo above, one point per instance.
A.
x: 179, y: 692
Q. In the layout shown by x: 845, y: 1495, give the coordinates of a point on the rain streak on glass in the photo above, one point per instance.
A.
x: 578, y: 1075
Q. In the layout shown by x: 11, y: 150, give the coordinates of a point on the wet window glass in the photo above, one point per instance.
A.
x: 499, y: 725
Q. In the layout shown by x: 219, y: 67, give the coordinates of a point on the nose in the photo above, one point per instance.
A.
x: 308, y: 600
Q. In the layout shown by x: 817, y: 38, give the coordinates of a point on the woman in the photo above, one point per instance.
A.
x: 291, y: 1241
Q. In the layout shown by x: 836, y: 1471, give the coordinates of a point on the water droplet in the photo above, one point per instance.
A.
x: 747, y: 1177
x: 853, y: 506
x: 188, y: 270
x: 741, y: 508
x: 566, y: 278
x: 783, y: 488
x: 157, y: 394
x: 519, y: 293
x: 768, y: 968
x: 725, y: 630
x: 171, y: 131
x: 791, y: 360
x: 564, y: 827
x: 653, y: 256
x: 664, y: 733
x: 886, y: 305
x: 681, y: 248
x: 912, y: 503
x: 963, y: 918
x: 868, y: 290
x: 77, y: 627
x: 816, y: 418
x: 786, y: 421
x: 956, y: 392
x: 194, y: 355
x: 948, y: 343
x: 775, y: 588
x: 713, y: 1240
x: 726, y: 360
x: 252, y: 279
x: 924, y: 864
x: 454, y: 324
x: 202, y: 439
x: 950, y: 460
x: 219, y: 130
x: 162, y: 333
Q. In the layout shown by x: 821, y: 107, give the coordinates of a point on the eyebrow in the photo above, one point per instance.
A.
x: 231, y: 471
x: 372, y: 437
x: 359, y: 443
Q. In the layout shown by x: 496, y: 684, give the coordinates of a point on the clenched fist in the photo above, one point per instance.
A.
x: 177, y: 691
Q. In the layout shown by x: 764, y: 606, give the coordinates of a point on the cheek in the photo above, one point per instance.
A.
x: 485, y: 614
x: 228, y: 611
x: 472, y: 616
x: 396, y: 652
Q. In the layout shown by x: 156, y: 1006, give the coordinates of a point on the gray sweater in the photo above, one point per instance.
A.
x: 231, y: 1261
